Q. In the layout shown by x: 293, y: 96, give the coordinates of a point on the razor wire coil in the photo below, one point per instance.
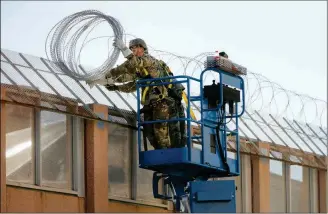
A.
x: 61, y: 48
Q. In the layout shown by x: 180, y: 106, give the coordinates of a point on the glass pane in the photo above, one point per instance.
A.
x: 98, y: 94
x: 129, y: 97
x: 300, y: 189
x: 60, y: 88
x: 14, y: 75
x: 145, y: 189
x: 145, y: 180
x: 36, y: 80
x: 74, y: 86
x: 119, y: 162
x: 4, y: 79
x: 36, y: 62
x: 277, y: 187
x: 244, y: 130
x: 2, y: 58
x: 116, y: 99
x: 299, y: 138
x: 19, y: 150
x: 55, y: 150
x: 14, y: 57
x: 52, y: 68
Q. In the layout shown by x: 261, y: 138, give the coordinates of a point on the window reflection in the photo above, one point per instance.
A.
x: 19, y: 149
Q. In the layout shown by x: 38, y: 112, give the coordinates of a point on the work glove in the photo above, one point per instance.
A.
x: 101, y: 81
x: 120, y: 45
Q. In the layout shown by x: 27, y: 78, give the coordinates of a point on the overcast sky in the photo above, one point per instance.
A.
x: 284, y: 41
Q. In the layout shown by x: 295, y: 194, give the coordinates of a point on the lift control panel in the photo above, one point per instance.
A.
x: 212, y: 94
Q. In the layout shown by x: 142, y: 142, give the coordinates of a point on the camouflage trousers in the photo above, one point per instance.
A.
x: 166, y: 134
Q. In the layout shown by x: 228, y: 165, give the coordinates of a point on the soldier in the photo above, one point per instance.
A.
x: 157, y: 100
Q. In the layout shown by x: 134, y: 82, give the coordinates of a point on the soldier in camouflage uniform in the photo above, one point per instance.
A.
x: 159, y: 104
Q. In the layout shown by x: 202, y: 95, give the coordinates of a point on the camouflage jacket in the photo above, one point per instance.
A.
x: 135, y: 68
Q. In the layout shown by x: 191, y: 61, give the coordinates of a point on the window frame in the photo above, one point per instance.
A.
x: 75, y: 154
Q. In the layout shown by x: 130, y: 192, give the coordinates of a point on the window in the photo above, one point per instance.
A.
x: 19, y: 144
x: 125, y: 179
x: 39, y: 148
x: 119, y: 162
x: 56, y: 150
x: 277, y: 187
x: 300, y: 189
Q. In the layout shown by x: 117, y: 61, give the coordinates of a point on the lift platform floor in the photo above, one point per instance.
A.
x: 175, y: 162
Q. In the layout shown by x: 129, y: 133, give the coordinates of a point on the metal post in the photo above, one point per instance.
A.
x: 74, y: 154
x: 37, y: 147
x: 24, y: 77
x: 304, y: 141
x: 245, y: 180
x: 78, y: 141
x: 311, y: 191
x: 110, y: 101
x: 324, y: 143
x: 134, y: 161
x: 39, y: 75
x: 288, y: 187
x: 69, y: 89
x: 237, y: 141
x: 323, y: 131
x: 189, y: 126
x: 272, y: 141
x: 138, y: 119
x: 309, y: 138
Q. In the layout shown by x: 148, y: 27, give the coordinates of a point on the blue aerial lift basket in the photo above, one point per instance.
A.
x: 187, y: 170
